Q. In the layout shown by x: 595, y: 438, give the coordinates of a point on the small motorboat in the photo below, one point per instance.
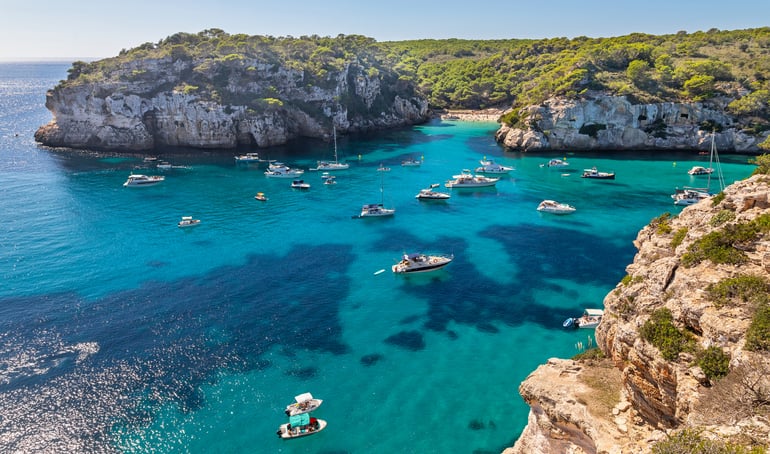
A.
x: 554, y: 207
x: 589, y: 319
x: 280, y: 170
x: 420, y: 263
x: 139, y: 181
x: 303, y: 403
x: 373, y: 210
x: 163, y: 165
x: 300, y: 184
x: 382, y: 168
x: 411, y: 162
x: 557, y: 163
x: 594, y: 173
x: 188, y: 221
x: 489, y: 166
x: 300, y: 426
x: 700, y: 170
x: 330, y: 180
x: 261, y: 197
x: 429, y: 194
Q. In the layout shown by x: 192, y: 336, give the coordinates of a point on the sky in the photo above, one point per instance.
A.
x: 88, y: 29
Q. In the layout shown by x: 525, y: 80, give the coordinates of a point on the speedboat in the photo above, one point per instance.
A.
x: 552, y: 206
x: 700, y: 170
x: 280, y: 170
x: 420, y: 263
x: 303, y: 403
x: 411, y: 162
x: 248, y: 157
x: 300, y: 426
x: 300, y: 184
x: 594, y: 173
x: 188, y: 221
x: 589, y: 319
x: 429, y: 194
x: 382, y: 168
x: 689, y: 196
x: 558, y: 163
x: 138, y: 181
x: 330, y: 180
x: 261, y: 197
x: 491, y: 167
x: 376, y: 210
x: 469, y: 180
x: 163, y: 165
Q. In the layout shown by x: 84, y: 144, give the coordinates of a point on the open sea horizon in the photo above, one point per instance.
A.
x: 120, y: 332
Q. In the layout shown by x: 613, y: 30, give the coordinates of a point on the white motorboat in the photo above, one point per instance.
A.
x: 336, y: 165
x: 596, y: 174
x: 689, y: 196
x: 163, y: 165
x: 139, y: 181
x: 411, y: 162
x: 700, y: 170
x: 420, y: 263
x: 303, y: 403
x: 589, y: 319
x: 489, y: 166
x: 552, y: 206
x: 558, y: 163
x: 429, y: 194
x: 469, y: 180
x: 382, y: 168
x: 188, y: 221
x: 281, y: 170
x: 300, y: 184
x: 330, y: 180
x: 247, y: 158
x: 261, y: 197
x: 300, y: 426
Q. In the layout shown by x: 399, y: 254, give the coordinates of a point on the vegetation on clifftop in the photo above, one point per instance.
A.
x: 474, y: 74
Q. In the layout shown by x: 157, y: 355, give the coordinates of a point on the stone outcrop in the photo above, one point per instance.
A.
x: 603, y: 122
x: 155, y: 103
x: 572, y: 412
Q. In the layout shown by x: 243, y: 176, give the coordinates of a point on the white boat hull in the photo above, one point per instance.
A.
x: 288, y: 433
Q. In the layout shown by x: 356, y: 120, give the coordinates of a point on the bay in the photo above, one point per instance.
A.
x: 121, y: 332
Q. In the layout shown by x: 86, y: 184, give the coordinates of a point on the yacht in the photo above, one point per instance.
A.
x: 468, y: 180
x: 489, y: 166
x: 420, y: 263
x: 589, y: 319
x: 700, y: 170
x: 689, y: 196
x: 248, y: 157
x: 280, y: 170
x: 139, y: 181
x: 594, y: 173
x: 429, y: 194
x: 411, y: 162
x: 552, y: 206
x: 376, y: 210
x: 336, y: 165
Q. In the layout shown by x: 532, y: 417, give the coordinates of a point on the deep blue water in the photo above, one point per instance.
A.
x: 121, y: 332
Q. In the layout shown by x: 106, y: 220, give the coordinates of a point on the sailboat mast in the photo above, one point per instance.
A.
x: 334, y: 134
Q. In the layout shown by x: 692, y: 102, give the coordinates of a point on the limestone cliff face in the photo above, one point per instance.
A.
x: 155, y: 103
x: 604, y: 122
x: 572, y: 412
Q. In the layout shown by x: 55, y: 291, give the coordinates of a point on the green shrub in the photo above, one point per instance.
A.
x: 722, y: 217
x: 591, y: 353
x: 758, y: 334
x: 719, y: 245
x: 679, y: 236
x: 763, y: 164
x: 746, y: 287
x: 717, y: 198
x: 661, y: 224
x: 660, y: 331
x: 690, y: 442
x: 714, y: 362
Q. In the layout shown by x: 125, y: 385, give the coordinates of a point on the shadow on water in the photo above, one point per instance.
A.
x: 163, y: 341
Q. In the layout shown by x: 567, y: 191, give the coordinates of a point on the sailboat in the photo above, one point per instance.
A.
x: 688, y: 195
x: 377, y: 209
x: 336, y: 165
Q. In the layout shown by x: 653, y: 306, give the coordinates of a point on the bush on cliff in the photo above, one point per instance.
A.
x: 660, y: 331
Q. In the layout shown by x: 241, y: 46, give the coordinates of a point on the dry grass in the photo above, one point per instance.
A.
x: 605, y: 383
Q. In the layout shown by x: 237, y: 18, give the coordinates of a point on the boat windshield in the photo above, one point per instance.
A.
x: 299, y: 420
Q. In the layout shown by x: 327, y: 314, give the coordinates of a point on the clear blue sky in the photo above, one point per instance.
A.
x: 35, y: 29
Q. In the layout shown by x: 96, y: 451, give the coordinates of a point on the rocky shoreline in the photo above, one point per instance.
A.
x: 483, y: 115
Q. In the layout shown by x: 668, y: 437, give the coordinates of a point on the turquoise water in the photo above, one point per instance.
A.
x: 122, y: 332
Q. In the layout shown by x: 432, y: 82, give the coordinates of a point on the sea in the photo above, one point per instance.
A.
x: 120, y: 332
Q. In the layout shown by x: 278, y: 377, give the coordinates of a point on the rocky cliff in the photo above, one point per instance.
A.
x: 603, y: 122
x: 685, y: 340
x: 169, y: 98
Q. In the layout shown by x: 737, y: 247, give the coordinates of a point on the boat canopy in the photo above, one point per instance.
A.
x: 299, y: 420
x: 303, y: 397
x: 594, y: 312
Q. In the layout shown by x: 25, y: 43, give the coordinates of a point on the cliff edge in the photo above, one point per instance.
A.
x: 684, y: 341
